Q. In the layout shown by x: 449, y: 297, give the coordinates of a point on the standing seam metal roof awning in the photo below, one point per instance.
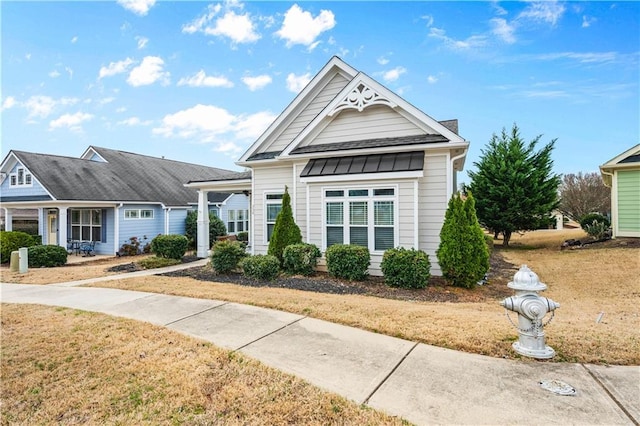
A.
x: 373, y: 163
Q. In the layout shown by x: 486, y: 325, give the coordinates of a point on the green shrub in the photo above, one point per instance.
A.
x: 157, y: 262
x: 301, y: 258
x: 12, y: 241
x: 216, y: 228
x: 47, y: 256
x: 226, y: 255
x: 285, y: 230
x: 588, y: 220
x: 407, y: 268
x: 348, y: 261
x: 172, y: 246
x: 261, y: 267
x: 243, y: 236
x: 597, y: 230
x: 462, y: 253
x: 488, y: 239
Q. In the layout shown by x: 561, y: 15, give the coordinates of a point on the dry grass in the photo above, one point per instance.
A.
x: 68, y: 367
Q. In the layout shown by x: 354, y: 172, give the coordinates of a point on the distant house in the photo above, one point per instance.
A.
x: 622, y: 174
x: 106, y: 196
x: 362, y: 165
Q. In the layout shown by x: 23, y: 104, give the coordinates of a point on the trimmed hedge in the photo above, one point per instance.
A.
x: 301, y: 258
x: 12, y: 241
x: 226, y: 255
x: 261, y: 267
x: 157, y: 262
x: 171, y: 246
x: 348, y: 261
x: 47, y: 256
x: 407, y: 268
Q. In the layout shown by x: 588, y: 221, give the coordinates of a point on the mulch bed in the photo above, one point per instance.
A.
x: 134, y: 266
x: 436, y: 291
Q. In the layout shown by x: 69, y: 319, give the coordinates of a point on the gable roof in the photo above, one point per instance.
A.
x: 630, y: 159
x: 121, y: 177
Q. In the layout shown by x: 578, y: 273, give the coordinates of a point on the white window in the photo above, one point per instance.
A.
x: 364, y: 217
x: 86, y: 225
x: 20, y: 178
x: 273, y: 205
x: 138, y: 214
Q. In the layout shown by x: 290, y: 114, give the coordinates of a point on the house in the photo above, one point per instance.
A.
x: 622, y: 175
x: 362, y: 165
x: 106, y: 196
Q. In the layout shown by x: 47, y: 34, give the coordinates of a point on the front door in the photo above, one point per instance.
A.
x: 53, y: 229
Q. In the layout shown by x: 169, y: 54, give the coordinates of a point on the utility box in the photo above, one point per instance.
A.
x: 14, y: 263
x: 24, y: 260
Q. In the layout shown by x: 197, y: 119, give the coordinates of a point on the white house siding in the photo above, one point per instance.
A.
x: 35, y: 189
x: 432, y: 206
x: 266, y: 180
x: 333, y: 87
x: 378, y: 121
x: 140, y: 227
x: 299, y: 200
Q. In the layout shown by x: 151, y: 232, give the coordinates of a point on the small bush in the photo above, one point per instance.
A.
x: 348, y: 261
x: 12, y: 241
x: 132, y: 247
x: 489, y: 240
x: 226, y: 255
x: 171, y: 246
x: 47, y: 256
x: 157, y: 262
x: 243, y: 236
x: 261, y: 267
x: 597, y: 230
x: 588, y: 219
x: 301, y: 258
x: 407, y: 268
x: 216, y: 228
x: 285, y: 230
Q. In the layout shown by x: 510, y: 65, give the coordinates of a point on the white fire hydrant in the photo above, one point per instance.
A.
x: 531, y: 309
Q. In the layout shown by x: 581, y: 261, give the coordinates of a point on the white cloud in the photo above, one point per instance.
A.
x: 39, y: 106
x: 9, y: 102
x: 139, y: 7
x: 258, y: 82
x: 142, y: 42
x: 115, y: 68
x: 296, y: 83
x: 69, y: 71
x: 429, y: 20
x: 200, y: 79
x: 107, y: 100
x: 382, y: 60
x: 54, y: 74
x: 587, y: 21
x: 201, y: 121
x: 252, y: 126
x: 228, y: 148
x: 432, y: 79
x: 300, y: 27
x: 394, y: 74
x: 545, y: 11
x: 71, y: 121
x: 121, y: 109
x: 148, y: 72
x: 74, y: 39
x: 237, y: 27
x: 503, y: 30
x: 27, y: 56
x: 134, y: 121
x: 471, y: 42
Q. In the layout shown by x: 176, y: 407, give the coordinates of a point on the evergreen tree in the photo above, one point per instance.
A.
x: 514, y: 185
x: 478, y: 252
x: 452, y: 249
x: 216, y: 228
x: 285, y: 230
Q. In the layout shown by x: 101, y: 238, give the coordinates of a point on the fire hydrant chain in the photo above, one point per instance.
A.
x: 506, y: 312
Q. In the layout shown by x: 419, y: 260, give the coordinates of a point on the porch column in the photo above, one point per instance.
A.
x: 42, y: 220
x: 62, y: 227
x: 8, y: 219
x: 203, y: 225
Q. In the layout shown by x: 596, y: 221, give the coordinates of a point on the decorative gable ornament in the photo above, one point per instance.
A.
x: 361, y: 97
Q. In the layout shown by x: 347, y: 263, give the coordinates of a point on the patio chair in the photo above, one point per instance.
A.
x: 87, y: 248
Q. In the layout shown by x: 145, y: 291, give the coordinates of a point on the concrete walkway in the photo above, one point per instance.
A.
x: 423, y: 384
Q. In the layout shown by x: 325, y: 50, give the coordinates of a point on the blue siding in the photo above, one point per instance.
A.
x: 21, y: 190
x: 234, y: 202
x: 140, y: 227
x: 177, y: 219
x: 107, y: 246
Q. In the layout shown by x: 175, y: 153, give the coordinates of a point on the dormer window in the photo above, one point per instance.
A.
x: 20, y: 178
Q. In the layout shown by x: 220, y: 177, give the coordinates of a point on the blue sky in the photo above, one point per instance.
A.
x: 200, y: 81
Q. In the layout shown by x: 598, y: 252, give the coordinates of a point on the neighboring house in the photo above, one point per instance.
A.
x: 362, y: 166
x: 106, y: 196
x: 622, y: 175
x: 232, y: 209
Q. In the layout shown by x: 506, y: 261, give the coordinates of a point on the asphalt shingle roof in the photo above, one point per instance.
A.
x: 124, y: 176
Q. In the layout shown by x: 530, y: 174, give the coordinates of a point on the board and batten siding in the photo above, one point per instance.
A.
x: 378, y: 121
x: 35, y: 189
x: 628, y: 203
x: 267, y: 180
x: 433, y: 202
x: 333, y: 87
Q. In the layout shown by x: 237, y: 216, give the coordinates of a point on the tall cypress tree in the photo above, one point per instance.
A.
x: 514, y: 186
x: 479, y: 252
x: 285, y: 230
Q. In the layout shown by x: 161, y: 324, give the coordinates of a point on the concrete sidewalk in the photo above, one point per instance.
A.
x: 421, y: 383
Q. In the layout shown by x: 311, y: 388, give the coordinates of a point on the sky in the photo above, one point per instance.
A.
x: 200, y: 81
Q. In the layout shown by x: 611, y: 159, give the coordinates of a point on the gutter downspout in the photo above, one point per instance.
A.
x: 614, y: 204
x: 450, y: 189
